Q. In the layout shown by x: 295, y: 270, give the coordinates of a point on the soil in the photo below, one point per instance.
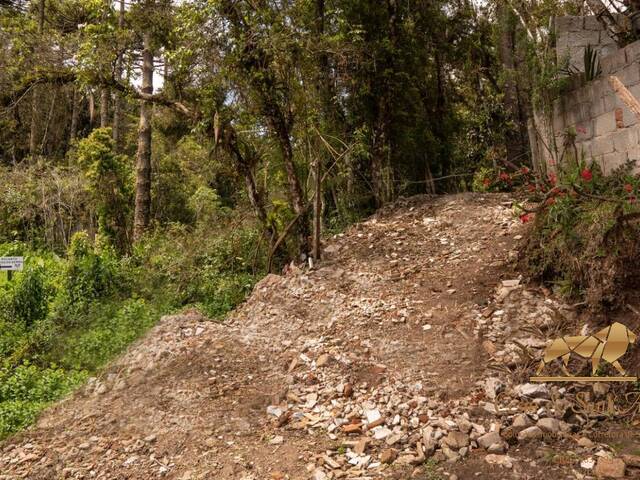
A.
x: 393, y: 305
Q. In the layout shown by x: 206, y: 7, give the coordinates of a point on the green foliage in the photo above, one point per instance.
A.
x: 585, y: 237
x: 113, y: 325
x: 27, y: 389
x: 89, y: 274
x: 110, y: 180
x: 30, y: 296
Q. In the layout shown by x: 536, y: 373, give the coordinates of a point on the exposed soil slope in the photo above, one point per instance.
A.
x: 391, y: 329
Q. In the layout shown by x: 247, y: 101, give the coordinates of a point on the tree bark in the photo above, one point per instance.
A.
x: 117, y: 100
x: 515, y: 136
x: 104, y: 107
x: 142, y: 214
x: 75, y: 113
x: 35, y: 96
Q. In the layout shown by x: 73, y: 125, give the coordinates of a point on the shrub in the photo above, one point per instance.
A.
x: 89, y: 274
x: 109, y: 179
x: 30, y: 296
x: 584, y: 237
x: 27, y: 389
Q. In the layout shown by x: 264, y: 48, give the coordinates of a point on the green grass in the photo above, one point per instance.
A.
x: 64, y: 319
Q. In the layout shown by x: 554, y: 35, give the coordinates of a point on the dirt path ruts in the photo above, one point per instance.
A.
x: 392, y: 305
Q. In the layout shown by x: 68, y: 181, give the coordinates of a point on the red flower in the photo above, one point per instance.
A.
x: 552, y: 178
x: 526, y: 217
x: 628, y: 187
x: 524, y: 170
x: 586, y: 175
x: 486, y: 182
x: 632, y: 199
x: 551, y: 201
x: 531, y: 187
x: 504, y: 177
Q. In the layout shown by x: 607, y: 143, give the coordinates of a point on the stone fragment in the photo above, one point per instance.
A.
x: 610, y: 468
x: 588, y: 463
x: 361, y: 446
x: 600, y: 389
x: 585, y: 442
x: 488, y: 439
x: 492, y: 386
x: 352, y: 428
x: 381, y: 433
x: 532, y: 390
x: 450, y: 455
x: 500, y: 447
x: 503, y: 460
x: 464, y: 425
x: 631, y: 460
x: 522, y: 420
x: 550, y: 425
x: 323, y: 360
x: 530, y: 433
x: 456, y: 440
x: 388, y: 455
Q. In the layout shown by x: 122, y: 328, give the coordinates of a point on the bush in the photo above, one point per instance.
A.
x: 584, y: 237
x: 111, y: 328
x: 30, y: 297
x: 89, y: 274
x: 27, y: 389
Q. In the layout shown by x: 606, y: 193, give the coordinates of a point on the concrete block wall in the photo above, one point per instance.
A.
x: 607, y: 131
x: 573, y: 34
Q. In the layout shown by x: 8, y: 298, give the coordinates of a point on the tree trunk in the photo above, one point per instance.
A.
x: 75, y: 113
x: 279, y: 127
x: 515, y: 136
x: 92, y: 109
x: 117, y: 100
x: 35, y: 96
x: 142, y: 215
x: 104, y: 107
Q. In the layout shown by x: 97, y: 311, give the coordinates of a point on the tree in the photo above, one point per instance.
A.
x: 142, y: 215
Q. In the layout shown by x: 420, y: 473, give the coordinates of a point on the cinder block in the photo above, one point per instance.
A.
x: 582, y: 38
x: 614, y: 62
x: 633, y: 51
x: 624, y: 139
x: 592, y: 23
x: 611, y: 102
x: 629, y: 119
x: 596, y: 107
x: 583, y: 94
x: 629, y: 75
x: 584, y: 131
x: 584, y: 149
x: 574, y: 114
x: 634, y: 154
x: 568, y: 24
x: 611, y: 161
x: 607, y: 50
x: 601, y: 146
x: 605, y: 123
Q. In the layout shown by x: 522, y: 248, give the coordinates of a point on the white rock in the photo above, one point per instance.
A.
x: 588, y: 463
x: 380, y: 433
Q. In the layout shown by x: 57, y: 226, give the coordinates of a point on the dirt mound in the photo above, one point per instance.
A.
x: 372, y: 365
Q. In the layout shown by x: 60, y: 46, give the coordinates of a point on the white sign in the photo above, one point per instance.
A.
x: 11, y: 263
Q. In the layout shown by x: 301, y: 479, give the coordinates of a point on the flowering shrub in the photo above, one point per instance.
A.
x: 584, y: 236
